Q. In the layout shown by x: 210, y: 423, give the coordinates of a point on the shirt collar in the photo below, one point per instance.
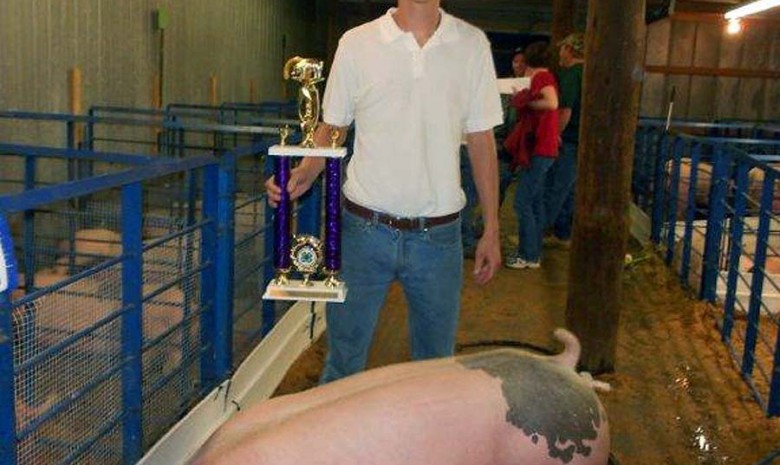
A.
x: 389, y: 30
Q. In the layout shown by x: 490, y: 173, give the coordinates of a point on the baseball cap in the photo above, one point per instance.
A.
x: 576, y: 41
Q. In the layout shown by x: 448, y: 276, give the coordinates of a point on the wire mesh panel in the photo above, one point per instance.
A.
x: 69, y: 331
x: 130, y: 281
x: 171, y: 320
x: 251, y: 257
x: 250, y: 263
x: 68, y: 362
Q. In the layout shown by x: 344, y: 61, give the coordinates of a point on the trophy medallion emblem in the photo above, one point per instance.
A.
x: 306, y: 255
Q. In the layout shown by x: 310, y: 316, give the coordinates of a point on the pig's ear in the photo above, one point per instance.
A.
x: 571, y: 348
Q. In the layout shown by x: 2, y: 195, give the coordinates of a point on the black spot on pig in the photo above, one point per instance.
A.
x: 545, y: 399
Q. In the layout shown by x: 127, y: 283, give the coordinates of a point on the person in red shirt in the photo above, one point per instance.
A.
x: 533, y: 144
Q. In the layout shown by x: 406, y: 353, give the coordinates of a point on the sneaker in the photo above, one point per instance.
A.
x: 517, y: 263
x: 555, y: 242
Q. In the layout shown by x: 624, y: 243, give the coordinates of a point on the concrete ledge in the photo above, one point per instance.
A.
x: 254, y: 381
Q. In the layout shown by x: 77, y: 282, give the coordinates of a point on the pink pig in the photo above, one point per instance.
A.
x: 492, y: 408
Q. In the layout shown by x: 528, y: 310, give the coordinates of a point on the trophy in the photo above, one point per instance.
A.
x: 307, y: 268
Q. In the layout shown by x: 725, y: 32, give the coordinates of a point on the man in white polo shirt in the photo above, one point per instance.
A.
x: 413, y: 81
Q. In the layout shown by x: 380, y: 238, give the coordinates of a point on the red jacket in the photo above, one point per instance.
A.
x: 536, y: 131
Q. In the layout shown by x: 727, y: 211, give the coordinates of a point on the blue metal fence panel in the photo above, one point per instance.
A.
x: 132, y: 322
x: 223, y: 318
x: 128, y: 380
x: 717, y: 213
x: 657, y: 189
x: 690, y: 211
x: 140, y: 420
x: 773, y: 407
x: 7, y: 392
x: 757, y: 286
x: 678, y: 147
x: 208, y: 336
x: 737, y: 230
x: 739, y: 201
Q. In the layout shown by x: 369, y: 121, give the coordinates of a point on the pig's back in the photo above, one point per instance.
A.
x: 448, y: 418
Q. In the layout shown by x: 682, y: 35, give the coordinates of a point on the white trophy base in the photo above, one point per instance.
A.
x: 316, y: 291
x: 298, y: 151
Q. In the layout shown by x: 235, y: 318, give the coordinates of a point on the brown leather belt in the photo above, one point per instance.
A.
x: 403, y: 224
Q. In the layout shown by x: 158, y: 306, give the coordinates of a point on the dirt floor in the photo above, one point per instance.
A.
x: 677, y: 396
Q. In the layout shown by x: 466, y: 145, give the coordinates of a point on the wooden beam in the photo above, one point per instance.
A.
x: 75, y: 81
x: 213, y: 91
x: 610, y: 105
x: 156, y: 92
x: 157, y: 105
x: 719, y: 72
x: 252, y: 90
x: 76, y: 103
x: 718, y: 18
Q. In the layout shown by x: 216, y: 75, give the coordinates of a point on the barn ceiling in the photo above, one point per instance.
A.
x: 536, y: 15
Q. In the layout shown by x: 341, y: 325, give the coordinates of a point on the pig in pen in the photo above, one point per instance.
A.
x: 69, y: 336
x: 497, y: 407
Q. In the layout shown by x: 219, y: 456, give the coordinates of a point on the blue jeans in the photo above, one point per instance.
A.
x: 429, y: 265
x: 470, y: 190
x: 529, y: 207
x: 559, y: 191
x: 506, y: 176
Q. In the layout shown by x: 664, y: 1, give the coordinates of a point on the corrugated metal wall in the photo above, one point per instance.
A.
x: 686, y: 43
x: 115, y: 45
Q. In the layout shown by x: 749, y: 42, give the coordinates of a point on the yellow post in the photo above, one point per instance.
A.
x: 76, y: 103
x: 213, y: 94
x: 252, y: 90
x: 157, y: 105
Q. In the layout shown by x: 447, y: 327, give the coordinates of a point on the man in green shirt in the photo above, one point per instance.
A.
x: 559, y: 192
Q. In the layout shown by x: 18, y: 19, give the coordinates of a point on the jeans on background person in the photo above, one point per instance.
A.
x: 505, y: 174
x: 505, y: 179
x: 562, y: 226
x: 529, y: 207
x: 467, y: 215
x: 427, y: 262
x: 559, y: 192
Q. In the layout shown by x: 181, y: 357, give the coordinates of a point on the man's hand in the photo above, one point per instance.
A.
x: 300, y: 182
x: 488, y: 257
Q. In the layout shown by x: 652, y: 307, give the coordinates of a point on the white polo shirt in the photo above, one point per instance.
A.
x: 411, y: 106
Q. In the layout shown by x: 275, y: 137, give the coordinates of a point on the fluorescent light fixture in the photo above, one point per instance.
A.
x: 751, y: 8
x: 734, y: 26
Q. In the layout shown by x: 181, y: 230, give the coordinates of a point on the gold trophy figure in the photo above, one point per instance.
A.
x: 308, y: 72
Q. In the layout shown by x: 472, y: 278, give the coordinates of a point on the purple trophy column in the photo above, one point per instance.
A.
x: 333, y: 215
x: 282, y: 219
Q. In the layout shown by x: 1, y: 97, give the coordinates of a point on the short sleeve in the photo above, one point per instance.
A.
x: 485, y: 101
x: 338, y: 103
x: 542, y: 80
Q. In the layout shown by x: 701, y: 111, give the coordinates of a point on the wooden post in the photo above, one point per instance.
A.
x: 156, y: 92
x: 157, y: 105
x: 613, y: 72
x: 213, y: 91
x: 252, y: 90
x: 76, y: 103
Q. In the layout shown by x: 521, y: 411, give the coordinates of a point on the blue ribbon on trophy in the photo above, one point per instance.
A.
x: 307, y: 255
